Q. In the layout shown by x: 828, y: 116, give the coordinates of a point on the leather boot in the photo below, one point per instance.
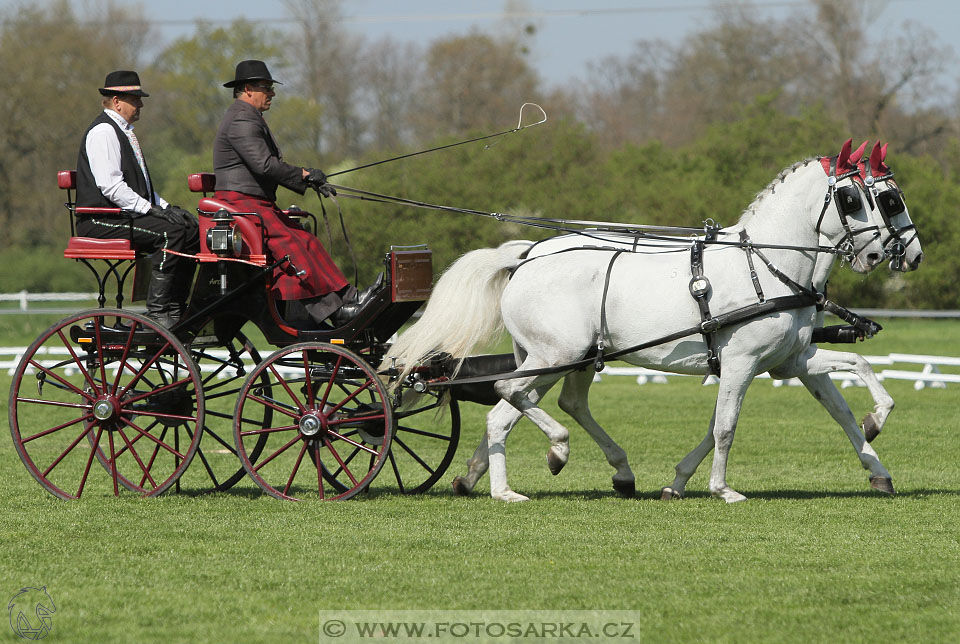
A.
x: 349, y: 310
x: 160, y: 304
x: 182, y: 287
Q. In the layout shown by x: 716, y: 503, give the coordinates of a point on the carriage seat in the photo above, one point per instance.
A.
x: 91, y: 247
x: 249, y: 224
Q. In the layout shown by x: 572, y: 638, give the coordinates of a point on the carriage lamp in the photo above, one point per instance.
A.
x: 224, y: 238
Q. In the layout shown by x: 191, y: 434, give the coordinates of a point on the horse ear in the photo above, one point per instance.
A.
x: 876, y: 157
x: 844, y: 157
x: 857, y: 154
x: 883, y: 151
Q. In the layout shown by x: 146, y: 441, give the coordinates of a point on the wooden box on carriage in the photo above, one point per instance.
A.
x: 412, y: 272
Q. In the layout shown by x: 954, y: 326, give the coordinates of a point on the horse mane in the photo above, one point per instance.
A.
x: 771, y: 187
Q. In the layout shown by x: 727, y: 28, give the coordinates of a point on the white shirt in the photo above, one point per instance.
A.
x: 103, y: 152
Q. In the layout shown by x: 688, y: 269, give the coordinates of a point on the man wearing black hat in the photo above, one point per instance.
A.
x: 249, y: 167
x: 112, y: 173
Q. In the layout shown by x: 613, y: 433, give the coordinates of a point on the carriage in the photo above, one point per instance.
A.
x: 316, y: 417
x: 312, y: 418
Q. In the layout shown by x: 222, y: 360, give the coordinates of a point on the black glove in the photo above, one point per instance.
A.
x: 185, y: 217
x: 317, y: 180
x: 174, y: 214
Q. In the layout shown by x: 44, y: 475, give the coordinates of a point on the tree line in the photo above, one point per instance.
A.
x: 672, y: 133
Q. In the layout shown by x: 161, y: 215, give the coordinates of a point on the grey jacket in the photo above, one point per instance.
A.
x: 246, y: 157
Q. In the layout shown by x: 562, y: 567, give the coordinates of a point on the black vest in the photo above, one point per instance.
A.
x: 88, y: 194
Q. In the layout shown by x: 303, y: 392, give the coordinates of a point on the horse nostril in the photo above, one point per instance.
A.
x: 874, y: 258
x: 917, y: 261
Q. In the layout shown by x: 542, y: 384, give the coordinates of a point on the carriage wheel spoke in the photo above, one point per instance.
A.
x: 283, y: 383
x: 86, y: 470
x: 156, y: 440
x: 70, y: 447
x: 396, y: 472
x: 269, y: 430
x: 420, y: 432
x: 69, y: 423
x: 351, y: 442
x: 69, y: 385
x: 343, y: 466
x: 277, y: 453
x: 136, y: 457
x: 396, y: 439
x: 296, y: 468
x: 113, y: 465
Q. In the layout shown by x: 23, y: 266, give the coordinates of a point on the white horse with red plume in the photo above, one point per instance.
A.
x: 686, y: 310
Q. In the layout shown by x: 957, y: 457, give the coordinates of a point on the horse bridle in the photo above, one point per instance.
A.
x: 890, y: 204
x: 848, y: 201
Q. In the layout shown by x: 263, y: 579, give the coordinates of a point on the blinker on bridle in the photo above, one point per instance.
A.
x: 848, y: 202
x: 890, y: 204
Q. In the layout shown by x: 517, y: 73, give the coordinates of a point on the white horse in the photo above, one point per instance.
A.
x: 553, y: 308
x: 898, y: 235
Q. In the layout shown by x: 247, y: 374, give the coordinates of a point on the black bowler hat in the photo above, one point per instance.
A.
x: 122, y: 82
x: 251, y: 70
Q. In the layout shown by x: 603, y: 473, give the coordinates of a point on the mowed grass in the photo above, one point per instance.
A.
x: 813, y: 555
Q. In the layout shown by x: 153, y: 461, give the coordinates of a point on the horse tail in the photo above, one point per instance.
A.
x: 463, y: 309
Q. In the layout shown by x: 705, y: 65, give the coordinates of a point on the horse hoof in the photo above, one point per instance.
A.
x: 554, y: 462
x: 626, y: 489
x: 669, y: 494
x: 510, y: 497
x: 729, y: 495
x: 460, y: 488
x: 882, y: 484
x: 870, y: 427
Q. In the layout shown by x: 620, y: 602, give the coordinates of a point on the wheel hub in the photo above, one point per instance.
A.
x: 104, y: 409
x: 311, y: 424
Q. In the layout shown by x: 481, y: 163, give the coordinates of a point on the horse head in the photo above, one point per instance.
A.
x: 855, y: 230
x: 900, y: 239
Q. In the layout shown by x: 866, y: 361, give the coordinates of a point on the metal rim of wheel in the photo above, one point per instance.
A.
x: 223, y: 378
x: 422, y: 447
x: 323, y: 397
x: 109, y: 384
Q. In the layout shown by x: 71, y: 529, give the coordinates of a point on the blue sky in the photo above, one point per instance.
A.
x: 571, y: 33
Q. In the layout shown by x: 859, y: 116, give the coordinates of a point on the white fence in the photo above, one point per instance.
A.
x: 928, y: 375
x: 24, y: 298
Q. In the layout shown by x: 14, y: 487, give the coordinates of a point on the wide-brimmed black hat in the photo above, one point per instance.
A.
x: 251, y: 70
x: 122, y: 82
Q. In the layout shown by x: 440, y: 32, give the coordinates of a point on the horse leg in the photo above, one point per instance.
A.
x: 574, y: 401
x: 828, y: 361
x: 478, y: 464
x: 689, y: 465
x: 476, y: 467
x: 827, y: 394
x: 517, y: 393
x: 734, y: 380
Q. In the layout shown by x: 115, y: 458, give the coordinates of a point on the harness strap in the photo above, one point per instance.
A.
x: 736, y: 316
x: 598, y: 363
x: 747, y: 246
x: 699, y: 289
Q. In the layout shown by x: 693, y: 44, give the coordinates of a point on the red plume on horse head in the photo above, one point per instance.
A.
x: 847, y: 159
x: 877, y: 166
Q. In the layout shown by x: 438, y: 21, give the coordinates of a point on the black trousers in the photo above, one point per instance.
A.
x: 148, y: 233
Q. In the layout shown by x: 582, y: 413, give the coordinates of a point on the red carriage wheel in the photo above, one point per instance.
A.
x: 223, y: 369
x: 108, y: 384
x: 424, y: 443
x: 325, y: 401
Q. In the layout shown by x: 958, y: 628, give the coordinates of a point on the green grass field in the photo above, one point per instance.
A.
x: 814, y: 556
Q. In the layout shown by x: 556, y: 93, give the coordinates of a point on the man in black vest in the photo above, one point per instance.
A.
x: 112, y: 173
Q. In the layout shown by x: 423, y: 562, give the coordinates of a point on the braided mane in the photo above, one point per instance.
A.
x: 771, y: 188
